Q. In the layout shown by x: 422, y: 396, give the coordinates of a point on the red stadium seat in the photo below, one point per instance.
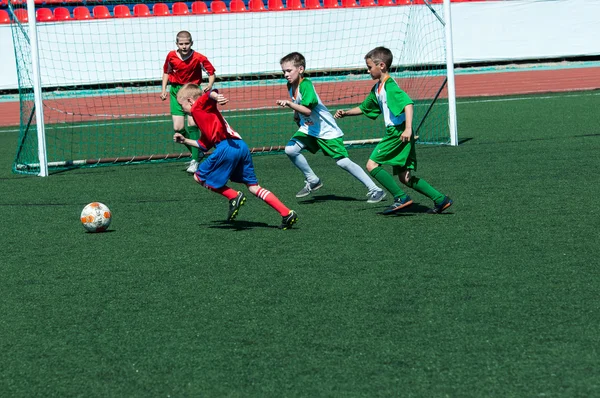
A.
x: 237, y: 6
x: 21, y: 14
x: 256, y: 5
x: 275, y: 5
x: 403, y: 2
x: 385, y: 3
x: 312, y: 4
x: 121, y: 11
x: 44, y: 15
x: 80, y: 13
x: 141, y: 10
x: 293, y: 4
x: 101, y: 12
x: 331, y: 3
x: 160, y: 9
x: 349, y: 3
x: 180, y: 8
x: 63, y: 13
x: 218, y: 7
x: 4, y: 17
x: 199, y: 7
x: 367, y: 3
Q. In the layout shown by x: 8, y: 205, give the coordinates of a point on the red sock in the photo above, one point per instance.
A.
x: 229, y: 193
x: 272, y: 201
x: 225, y: 191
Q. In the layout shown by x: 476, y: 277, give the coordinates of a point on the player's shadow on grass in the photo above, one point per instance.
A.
x: 239, y: 225
x: 327, y: 198
x: 415, y: 208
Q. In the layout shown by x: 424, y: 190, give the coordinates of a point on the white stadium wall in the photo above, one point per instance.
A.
x: 483, y: 32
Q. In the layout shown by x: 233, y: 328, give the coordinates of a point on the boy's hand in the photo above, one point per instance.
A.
x: 283, y: 103
x: 208, y: 88
x: 178, y: 138
x: 163, y: 95
x: 340, y: 113
x: 406, y: 134
x: 221, y: 99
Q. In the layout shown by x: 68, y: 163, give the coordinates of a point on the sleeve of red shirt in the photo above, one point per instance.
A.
x: 166, y: 66
x: 208, y: 67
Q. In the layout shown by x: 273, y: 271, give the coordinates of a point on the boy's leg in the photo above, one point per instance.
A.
x: 289, y: 217
x: 385, y: 179
x: 193, y: 133
x: 293, y: 149
x: 421, y: 186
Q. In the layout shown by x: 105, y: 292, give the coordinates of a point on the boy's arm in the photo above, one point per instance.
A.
x: 165, y: 81
x: 296, y: 107
x: 220, y: 98
x: 211, y: 82
x: 180, y: 139
x: 340, y: 113
x: 407, y: 133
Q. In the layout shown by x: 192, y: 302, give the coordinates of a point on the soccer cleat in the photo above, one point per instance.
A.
x: 308, y: 188
x: 289, y: 220
x: 437, y: 209
x: 235, y: 204
x: 193, y: 166
x: 398, y: 204
x: 375, y: 196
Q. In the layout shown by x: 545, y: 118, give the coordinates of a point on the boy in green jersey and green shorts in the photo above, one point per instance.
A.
x: 397, y: 147
x: 317, y: 130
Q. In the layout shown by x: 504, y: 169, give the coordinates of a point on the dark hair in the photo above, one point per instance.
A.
x: 296, y: 58
x: 381, y: 54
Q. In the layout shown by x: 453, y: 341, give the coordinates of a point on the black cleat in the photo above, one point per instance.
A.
x: 437, y: 209
x: 289, y: 220
x: 235, y: 204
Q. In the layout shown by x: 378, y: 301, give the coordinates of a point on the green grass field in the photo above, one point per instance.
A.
x: 496, y: 298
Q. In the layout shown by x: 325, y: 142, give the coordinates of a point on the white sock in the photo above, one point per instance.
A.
x: 358, y: 173
x: 293, y: 149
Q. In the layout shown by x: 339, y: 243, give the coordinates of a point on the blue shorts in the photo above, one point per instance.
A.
x: 231, y: 160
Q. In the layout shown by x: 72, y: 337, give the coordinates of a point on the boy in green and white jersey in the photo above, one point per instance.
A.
x: 397, y: 147
x: 317, y: 130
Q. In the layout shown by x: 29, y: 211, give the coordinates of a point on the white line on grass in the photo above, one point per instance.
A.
x: 469, y: 101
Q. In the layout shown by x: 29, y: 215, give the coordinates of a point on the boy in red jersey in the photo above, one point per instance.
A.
x: 185, y: 66
x: 230, y: 160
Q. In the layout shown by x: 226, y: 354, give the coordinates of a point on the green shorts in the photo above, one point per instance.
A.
x: 176, y: 109
x: 392, y: 151
x: 333, y: 147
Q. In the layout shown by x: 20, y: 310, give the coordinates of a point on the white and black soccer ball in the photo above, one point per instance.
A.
x: 96, y: 217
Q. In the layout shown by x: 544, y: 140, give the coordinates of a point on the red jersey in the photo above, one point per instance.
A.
x: 188, y: 71
x: 213, y: 126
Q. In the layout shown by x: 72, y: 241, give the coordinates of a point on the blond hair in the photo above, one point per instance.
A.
x: 183, y: 34
x: 189, y: 90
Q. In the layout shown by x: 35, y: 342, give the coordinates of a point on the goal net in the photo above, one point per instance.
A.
x: 100, y: 77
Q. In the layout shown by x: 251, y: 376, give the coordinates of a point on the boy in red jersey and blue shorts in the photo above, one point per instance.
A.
x: 397, y: 147
x: 230, y: 159
x: 185, y: 66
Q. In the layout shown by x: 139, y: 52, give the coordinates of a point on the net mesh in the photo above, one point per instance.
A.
x: 101, y: 76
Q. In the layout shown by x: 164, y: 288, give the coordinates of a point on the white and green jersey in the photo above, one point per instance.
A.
x: 320, y: 123
x: 387, y: 99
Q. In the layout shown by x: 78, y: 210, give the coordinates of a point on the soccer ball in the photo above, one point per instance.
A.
x: 96, y: 217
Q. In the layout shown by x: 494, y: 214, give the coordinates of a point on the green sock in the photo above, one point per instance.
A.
x: 193, y: 133
x: 388, y: 182
x: 422, y: 186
